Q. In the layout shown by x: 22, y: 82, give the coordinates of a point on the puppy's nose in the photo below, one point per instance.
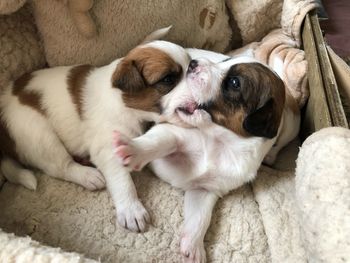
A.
x: 193, y: 65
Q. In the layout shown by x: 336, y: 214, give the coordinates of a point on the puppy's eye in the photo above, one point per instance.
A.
x: 169, y: 79
x: 233, y: 83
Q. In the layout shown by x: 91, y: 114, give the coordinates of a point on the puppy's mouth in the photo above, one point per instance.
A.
x: 193, y: 113
x: 191, y: 107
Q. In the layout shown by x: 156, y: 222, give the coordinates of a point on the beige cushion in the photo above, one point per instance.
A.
x: 121, y: 25
x: 20, y: 47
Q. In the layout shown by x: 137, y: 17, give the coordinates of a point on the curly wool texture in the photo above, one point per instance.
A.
x: 21, y: 50
x: 257, y: 18
x: 64, y: 215
x: 25, y: 250
x: 121, y: 25
x: 323, y: 195
x: 255, y: 223
x: 274, y: 193
x: 10, y: 6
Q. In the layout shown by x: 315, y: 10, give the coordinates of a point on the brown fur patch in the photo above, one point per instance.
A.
x: 147, y: 100
x: 228, y: 117
x: 27, y: 97
x: 76, y: 80
x: 258, y: 85
x: 140, y: 75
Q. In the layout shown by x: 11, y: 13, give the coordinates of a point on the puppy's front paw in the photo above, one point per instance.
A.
x: 88, y: 177
x: 133, y: 216
x: 130, y: 155
x: 192, y: 251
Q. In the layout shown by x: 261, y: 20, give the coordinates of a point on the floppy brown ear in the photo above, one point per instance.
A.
x: 127, y: 77
x: 265, y: 121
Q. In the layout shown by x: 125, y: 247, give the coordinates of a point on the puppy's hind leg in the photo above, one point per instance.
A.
x: 55, y: 161
x: 199, y: 205
x: 16, y: 174
x: 41, y: 148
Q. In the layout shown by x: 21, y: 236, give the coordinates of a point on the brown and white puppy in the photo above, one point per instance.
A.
x: 237, y: 109
x: 50, y: 115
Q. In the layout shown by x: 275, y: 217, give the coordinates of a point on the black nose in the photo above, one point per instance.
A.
x: 193, y: 65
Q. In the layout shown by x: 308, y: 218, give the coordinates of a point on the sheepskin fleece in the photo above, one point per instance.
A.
x: 123, y: 24
x: 10, y: 6
x: 15, y: 249
x: 20, y: 47
x: 257, y: 18
x: 250, y: 13
x: 323, y: 195
x: 274, y: 192
x: 64, y: 215
x: 210, y: 24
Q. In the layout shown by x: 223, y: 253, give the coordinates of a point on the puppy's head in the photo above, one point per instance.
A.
x: 240, y: 94
x: 148, y: 72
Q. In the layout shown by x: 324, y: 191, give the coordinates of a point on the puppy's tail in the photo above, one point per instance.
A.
x: 16, y: 174
x: 158, y: 34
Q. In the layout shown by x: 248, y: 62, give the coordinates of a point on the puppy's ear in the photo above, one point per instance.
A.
x: 127, y: 77
x: 265, y: 121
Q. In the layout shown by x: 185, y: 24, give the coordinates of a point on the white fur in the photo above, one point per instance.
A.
x: 210, y: 55
x: 207, y: 163
x: 206, y: 160
x: 48, y: 142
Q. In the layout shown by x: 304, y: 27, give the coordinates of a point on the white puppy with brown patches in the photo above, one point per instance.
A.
x: 234, y: 111
x: 50, y: 115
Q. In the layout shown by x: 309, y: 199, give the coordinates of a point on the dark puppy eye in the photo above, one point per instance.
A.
x: 169, y: 79
x: 233, y: 83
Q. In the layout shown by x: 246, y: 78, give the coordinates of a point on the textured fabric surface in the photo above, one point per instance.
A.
x: 257, y: 18
x: 121, y: 25
x: 293, y: 14
x: 274, y: 192
x: 10, y: 6
x: 25, y: 250
x: 275, y: 196
x: 64, y: 215
x: 323, y: 195
x: 21, y: 50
